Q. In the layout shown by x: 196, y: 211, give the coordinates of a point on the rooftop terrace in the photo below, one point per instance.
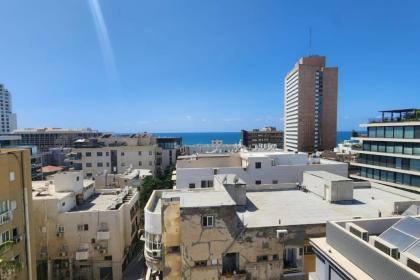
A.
x: 399, y: 115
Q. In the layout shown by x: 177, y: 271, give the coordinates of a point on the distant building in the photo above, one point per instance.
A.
x: 131, y: 177
x: 262, y: 138
x: 170, y: 149
x: 234, y: 231
x: 390, y: 152
x: 8, y: 118
x: 310, y: 106
x: 254, y: 167
x: 17, y: 228
x: 83, y: 232
x: 214, y: 148
x: 382, y: 248
x: 46, y: 138
x: 116, y: 154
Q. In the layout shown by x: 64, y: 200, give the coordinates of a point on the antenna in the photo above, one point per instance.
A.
x: 310, y: 40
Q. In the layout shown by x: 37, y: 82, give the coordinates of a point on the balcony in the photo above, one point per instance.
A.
x: 5, y: 217
x: 404, y: 115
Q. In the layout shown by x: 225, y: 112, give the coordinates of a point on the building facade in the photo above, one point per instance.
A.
x: 235, y: 231
x: 262, y: 138
x: 83, y: 232
x: 170, y: 149
x: 382, y: 248
x: 16, y: 220
x: 8, y: 118
x: 310, y: 106
x: 46, y: 138
x: 254, y: 167
x: 390, y: 152
x: 116, y: 154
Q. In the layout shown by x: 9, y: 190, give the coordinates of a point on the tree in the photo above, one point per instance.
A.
x: 151, y: 183
x: 8, y: 267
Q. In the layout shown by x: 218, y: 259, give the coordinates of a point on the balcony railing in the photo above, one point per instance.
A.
x: 5, y: 217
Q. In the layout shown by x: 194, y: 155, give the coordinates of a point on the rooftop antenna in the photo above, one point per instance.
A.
x: 310, y: 40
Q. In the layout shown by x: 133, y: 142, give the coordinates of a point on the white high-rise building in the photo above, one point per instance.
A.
x: 8, y: 119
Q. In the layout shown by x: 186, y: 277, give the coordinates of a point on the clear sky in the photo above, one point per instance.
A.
x: 200, y: 65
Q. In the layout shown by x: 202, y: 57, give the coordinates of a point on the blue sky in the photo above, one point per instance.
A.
x: 207, y: 65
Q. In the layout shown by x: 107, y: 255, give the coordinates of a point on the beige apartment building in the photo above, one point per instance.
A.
x: 236, y: 231
x: 83, y: 232
x: 310, y: 106
x: 115, y: 154
x: 16, y: 223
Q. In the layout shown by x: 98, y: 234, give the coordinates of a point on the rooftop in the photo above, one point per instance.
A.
x: 398, y: 115
x: 295, y: 207
x: 328, y: 176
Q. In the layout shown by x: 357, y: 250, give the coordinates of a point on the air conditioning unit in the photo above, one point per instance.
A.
x: 385, y: 247
x: 282, y: 234
x: 60, y: 234
x: 156, y: 254
x: 358, y: 231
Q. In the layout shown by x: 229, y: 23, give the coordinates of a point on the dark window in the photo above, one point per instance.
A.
x: 258, y: 165
x: 262, y: 258
x: 108, y: 258
x: 100, y: 164
x: 88, y: 154
x: 191, y: 186
x: 122, y: 154
x: 207, y: 221
x: 200, y: 263
x: 88, y: 164
x: 99, y: 154
x: 258, y: 182
x: 173, y: 249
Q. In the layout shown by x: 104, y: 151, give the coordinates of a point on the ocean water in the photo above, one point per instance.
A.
x: 190, y: 138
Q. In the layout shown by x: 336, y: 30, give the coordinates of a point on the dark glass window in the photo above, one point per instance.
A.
x: 389, y: 132
x: 409, y: 132
x: 398, y: 132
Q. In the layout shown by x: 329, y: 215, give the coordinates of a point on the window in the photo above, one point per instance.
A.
x: 140, y: 163
x: 122, y: 154
x: 150, y: 163
x: 191, y: 186
x: 107, y: 164
x: 207, y: 221
x: 173, y: 249
x: 150, y: 153
x: 380, y: 132
x: 258, y: 165
x: 5, y: 236
x: 83, y: 227
x: 122, y: 164
x: 88, y: 164
x: 275, y: 257
x: 88, y: 154
x: 262, y: 258
x: 275, y: 182
x: 88, y: 174
x: 409, y: 132
x: 200, y: 263
x: 389, y: 132
x: 108, y: 258
x: 207, y: 184
x: 12, y: 176
x: 258, y: 182
x: 415, y: 164
x: 60, y: 229
x: 398, y: 132
x: 77, y: 178
x: 100, y: 164
x: 139, y: 153
x: 107, y: 154
x: 99, y: 154
x: 372, y: 132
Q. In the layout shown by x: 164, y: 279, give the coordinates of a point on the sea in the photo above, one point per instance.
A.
x: 191, y: 138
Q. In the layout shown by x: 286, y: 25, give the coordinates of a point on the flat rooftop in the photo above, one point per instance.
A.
x: 295, y: 207
x: 97, y: 202
x: 328, y: 176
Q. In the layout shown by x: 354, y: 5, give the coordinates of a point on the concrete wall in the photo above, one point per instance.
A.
x: 267, y: 174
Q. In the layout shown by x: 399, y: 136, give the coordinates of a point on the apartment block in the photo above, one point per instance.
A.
x: 46, y: 138
x: 381, y: 248
x: 17, y: 235
x: 116, y: 154
x: 170, y: 148
x: 257, y: 167
x: 265, y: 137
x: 310, y: 106
x: 8, y: 118
x: 234, y: 231
x: 390, y: 152
x: 83, y: 232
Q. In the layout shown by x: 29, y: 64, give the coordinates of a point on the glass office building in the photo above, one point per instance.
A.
x: 390, y: 152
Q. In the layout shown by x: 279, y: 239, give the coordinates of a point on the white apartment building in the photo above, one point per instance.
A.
x: 83, y: 232
x: 8, y: 119
x: 116, y: 154
x: 254, y: 167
